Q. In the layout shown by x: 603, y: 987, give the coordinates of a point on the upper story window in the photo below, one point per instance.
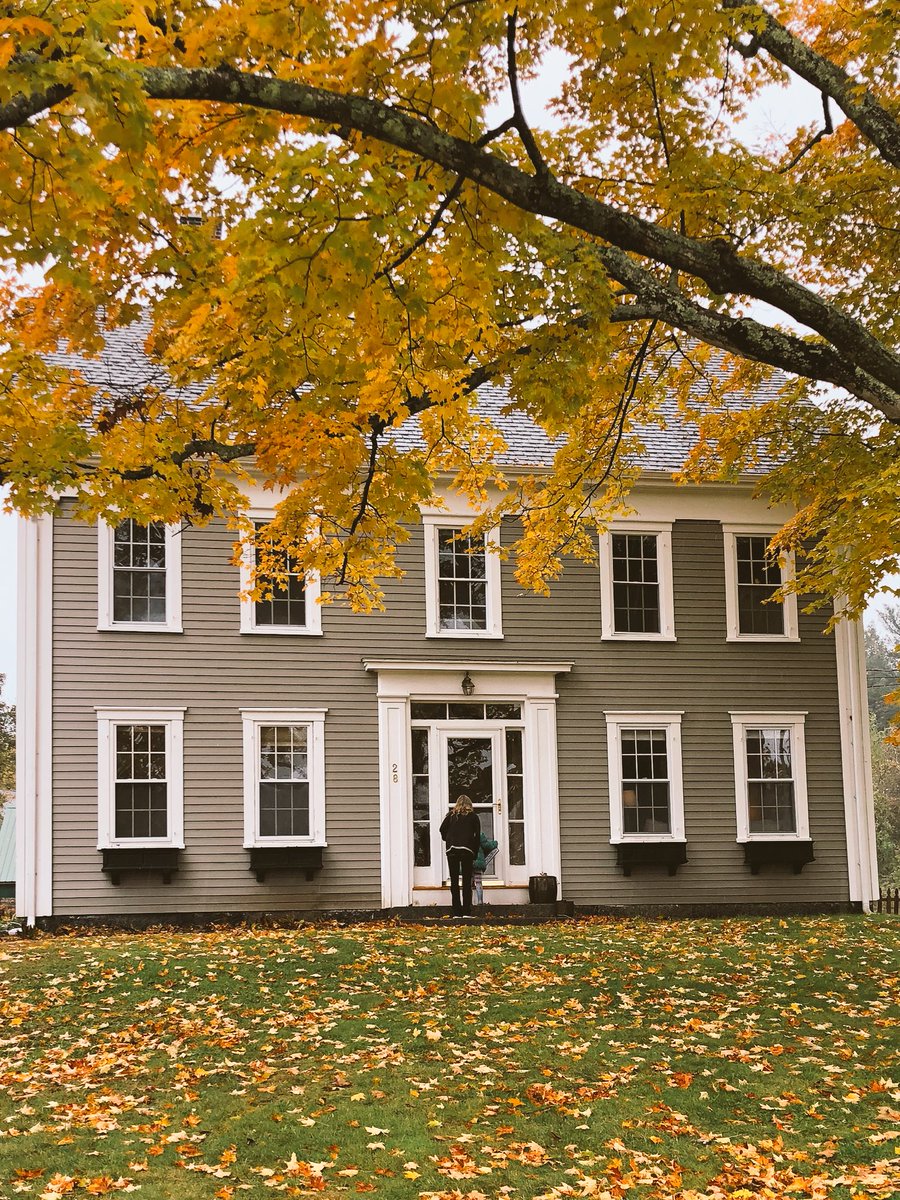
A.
x: 140, y: 787
x: 636, y: 582
x: 770, y: 776
x: 645, y: 786
x: 290, y: 601
x: 284, y: 777
x: 462, y: 581
x: 752, y: 577
x: 139, y: 576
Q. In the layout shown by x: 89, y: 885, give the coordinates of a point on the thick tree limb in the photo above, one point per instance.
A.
x: 715, y: 262
x: 196, y: 448
x: 852, y: 358
x: 858, y: 104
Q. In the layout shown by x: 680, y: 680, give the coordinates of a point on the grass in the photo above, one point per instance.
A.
x: 607, y: 1058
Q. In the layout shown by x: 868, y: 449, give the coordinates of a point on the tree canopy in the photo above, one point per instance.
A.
x: 374, y: 229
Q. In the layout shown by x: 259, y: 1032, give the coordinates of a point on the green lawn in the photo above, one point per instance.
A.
x: 605, y: 1058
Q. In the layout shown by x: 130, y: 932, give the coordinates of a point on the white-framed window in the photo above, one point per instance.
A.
x: 646, y: 794
x: 752, y: 576
x: 293, y: 606
x: 462, y: 581
x: 139, y: 576
x: 770, y: 776
x: 284, y: 777
x: 140, y: 761
x: 636, y: 589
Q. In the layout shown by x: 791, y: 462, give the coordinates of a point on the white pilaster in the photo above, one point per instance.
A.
x: 859, y: 810
x: 34, y: 762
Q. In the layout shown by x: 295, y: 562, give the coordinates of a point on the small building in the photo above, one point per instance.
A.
x: 8, y: 849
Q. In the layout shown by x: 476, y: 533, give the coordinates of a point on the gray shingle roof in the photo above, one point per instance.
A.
x: 124, y: 368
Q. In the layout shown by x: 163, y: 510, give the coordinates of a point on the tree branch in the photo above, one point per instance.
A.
x: 855, y: 100
x: 522, y: 126
x: 827, y: 129
x: 429, y: 230
x: 852, y: 358
x: 196, y: 448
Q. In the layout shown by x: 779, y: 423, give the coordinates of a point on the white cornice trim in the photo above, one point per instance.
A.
x: 521, y: 668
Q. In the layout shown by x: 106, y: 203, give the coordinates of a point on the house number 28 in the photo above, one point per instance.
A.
x: 395, y: 774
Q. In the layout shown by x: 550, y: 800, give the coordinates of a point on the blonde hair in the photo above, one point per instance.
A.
x: 463, y: 805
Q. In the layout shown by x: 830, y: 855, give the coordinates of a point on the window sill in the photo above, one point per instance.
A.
x: 669, y: 854
x: 638, y: 637
x: 775, y: 638
x: 306, y: 858
x: 466, y: 635
x: 282, y: 631
x: 118, y: 861
x: 783, y: 852
x: 139, y: 627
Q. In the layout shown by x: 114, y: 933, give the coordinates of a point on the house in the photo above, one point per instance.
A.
x: 654, y: 736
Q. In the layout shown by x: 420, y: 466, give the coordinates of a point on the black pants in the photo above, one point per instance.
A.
x: 460, y: 863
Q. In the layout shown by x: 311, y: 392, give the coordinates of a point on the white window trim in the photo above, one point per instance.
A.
x: 741, y: 722
x: 313, y: 626
x: 107, y: 720
x: 172, y: 623
x: 671, y: 722
x: 492, y: 578
x: 314, y: 720
x: 663, y: 532
x: 788, y: 606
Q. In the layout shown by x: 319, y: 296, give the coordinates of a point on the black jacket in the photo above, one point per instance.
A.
x: 462, y: 831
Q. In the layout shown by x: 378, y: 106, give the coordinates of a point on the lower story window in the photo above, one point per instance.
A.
x: 142, y: 786
x: 645, y: 787
x: 284, y: 777
x: 770, y: 776
x: 140, y: 777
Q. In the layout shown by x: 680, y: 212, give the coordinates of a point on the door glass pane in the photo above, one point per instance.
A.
x: 421, y: 799
x: 470, y: 772
x: 470, y: 769
x: 515, y: 798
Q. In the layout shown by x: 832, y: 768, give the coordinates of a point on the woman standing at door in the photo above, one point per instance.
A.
x: 461, y: 831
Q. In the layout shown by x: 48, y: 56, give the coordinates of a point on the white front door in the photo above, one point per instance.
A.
x: 485, y: 763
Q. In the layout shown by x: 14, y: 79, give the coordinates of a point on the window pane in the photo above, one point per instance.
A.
x: 426, y: 710
x: 139, y: 572
x: 141, y: 810
x: 645, y: 781
x: 284, y: 809
x: 286, y: 606
x: 517, y: 845
x: 421, y: 798
x: 635, y: 574
x: 770, y: 783
x: 465, y: 712
x: 758, y: 578
x: 504, y: 712
x: 462, y: 590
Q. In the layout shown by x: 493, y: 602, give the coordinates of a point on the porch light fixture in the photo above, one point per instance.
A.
x: 468, y: 686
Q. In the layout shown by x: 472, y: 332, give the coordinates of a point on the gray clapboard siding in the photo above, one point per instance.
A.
x: 214, y: 670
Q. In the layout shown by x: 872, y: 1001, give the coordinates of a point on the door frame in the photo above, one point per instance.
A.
x: 533, y: 685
